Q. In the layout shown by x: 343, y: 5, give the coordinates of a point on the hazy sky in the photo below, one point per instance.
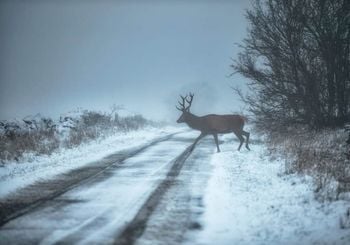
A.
x: 56, y: 56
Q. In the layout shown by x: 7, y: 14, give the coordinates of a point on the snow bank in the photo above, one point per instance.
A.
x: 249, y: 200
x: 18, y: 175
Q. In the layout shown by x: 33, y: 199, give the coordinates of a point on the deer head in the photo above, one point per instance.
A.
x: 185, y: 109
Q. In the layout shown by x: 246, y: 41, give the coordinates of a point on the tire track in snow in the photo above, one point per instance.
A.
x: 180, y: 207
x: 136, y: 227
x: 29, y: 198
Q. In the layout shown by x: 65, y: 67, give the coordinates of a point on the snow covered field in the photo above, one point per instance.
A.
x: 229, y: 197
x: 249, y: 200
x: 17, y: 175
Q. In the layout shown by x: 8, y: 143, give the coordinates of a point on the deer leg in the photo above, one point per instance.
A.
x: 241, y: 139
x: 246, y: 134
x: 216, y: 142
x: 196, y: 141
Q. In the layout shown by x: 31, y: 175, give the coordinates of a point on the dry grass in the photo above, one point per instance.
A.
x: 15, y: 144
x: 321, y: 154
x: 43, y: 137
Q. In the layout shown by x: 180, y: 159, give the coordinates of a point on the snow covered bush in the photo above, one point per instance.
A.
x: 321, y: 154
x: 93, y: 125
x: 37, y: 135
x: 17, y: 138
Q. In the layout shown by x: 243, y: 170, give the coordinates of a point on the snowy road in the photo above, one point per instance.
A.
x: 164, y: 193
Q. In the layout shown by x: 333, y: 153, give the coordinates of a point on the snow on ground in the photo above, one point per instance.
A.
x: 95, y: 212
x: 249, y: 200
x: 18, y: 175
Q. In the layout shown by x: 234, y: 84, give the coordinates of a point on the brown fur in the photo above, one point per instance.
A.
x: 216, y: 124
x: 213, y: 124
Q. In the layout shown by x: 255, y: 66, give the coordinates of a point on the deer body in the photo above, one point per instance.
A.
x: 213, y: 124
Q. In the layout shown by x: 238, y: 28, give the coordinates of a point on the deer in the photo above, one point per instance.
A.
x: 212, y: 124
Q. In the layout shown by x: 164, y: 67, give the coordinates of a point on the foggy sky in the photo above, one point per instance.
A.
x: 56, y: 56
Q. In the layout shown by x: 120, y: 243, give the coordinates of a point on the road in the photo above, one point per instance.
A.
x: 171, y: 192
x: 117, y: 200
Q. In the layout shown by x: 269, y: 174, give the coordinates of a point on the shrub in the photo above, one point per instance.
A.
x: 38, y: 136
x: 43, y: 136
x: 320, y: 154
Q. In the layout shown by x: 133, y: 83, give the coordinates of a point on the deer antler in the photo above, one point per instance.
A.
x: 182, y: 104
x: 189, y: 101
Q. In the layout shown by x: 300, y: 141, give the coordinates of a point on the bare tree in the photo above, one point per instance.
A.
x: 297, y: 59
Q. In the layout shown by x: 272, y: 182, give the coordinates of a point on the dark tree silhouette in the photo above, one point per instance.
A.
x: 297, y: 59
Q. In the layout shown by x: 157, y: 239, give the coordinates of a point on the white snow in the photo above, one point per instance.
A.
x: 18, y: 175
x: 94, y: 215
x: 249, y: 200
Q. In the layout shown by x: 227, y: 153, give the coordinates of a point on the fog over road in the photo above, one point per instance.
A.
x: 165, y: 193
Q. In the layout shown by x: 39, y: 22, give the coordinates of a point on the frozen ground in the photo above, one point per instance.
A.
x: 33, y: 168
x: 97, y: 211
x: 249, y: 200
x: 167, y: 194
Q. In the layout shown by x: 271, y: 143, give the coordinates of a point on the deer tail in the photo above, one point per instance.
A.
x: 244, y: 118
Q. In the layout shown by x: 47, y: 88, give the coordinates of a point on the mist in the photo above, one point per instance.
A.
x: 60, y: 55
